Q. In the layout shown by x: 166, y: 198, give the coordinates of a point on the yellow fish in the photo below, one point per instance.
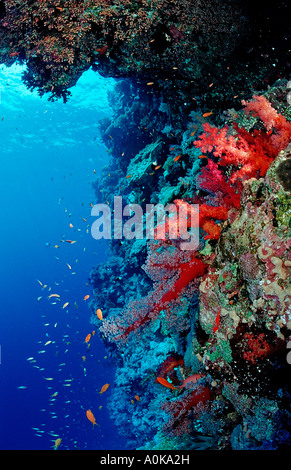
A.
x: 57, y: 443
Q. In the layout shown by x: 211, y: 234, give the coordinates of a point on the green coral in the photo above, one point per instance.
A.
x: 222, y: 351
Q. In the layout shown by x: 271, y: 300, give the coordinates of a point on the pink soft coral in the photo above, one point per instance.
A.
x: 257, y: 347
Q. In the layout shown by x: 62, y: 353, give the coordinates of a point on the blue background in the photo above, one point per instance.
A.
x: 50, y: 155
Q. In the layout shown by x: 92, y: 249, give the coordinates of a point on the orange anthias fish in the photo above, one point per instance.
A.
x: 177, y: 158
x: 207, y: 114
x: 99, y: 313
x: 88, y: 337
x: 104, y: 388
x: 86, y: 297
x: 192, y: 378
x: 137, y: 397
x: 91, y: 417
x: 165, y: 383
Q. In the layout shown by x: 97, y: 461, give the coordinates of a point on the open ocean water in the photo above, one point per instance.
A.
x: 51, y: 153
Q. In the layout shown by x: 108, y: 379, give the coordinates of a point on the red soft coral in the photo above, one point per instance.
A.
x: 206, y: 214
x: 244, y: 154
x: 212, y: 179
x: 256, y: 347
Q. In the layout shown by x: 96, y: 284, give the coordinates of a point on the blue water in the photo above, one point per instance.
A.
x: 50, y: 155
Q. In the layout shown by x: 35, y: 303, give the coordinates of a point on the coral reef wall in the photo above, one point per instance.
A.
x: 222, y: 328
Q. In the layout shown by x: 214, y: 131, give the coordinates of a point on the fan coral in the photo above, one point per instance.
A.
x: 181, y: 409
x: 170, y: 284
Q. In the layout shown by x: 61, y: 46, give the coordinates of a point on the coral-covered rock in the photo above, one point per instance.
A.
x: 250, y: 280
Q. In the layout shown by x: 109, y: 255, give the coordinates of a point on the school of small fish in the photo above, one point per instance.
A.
x: 63, y: 345
x: 63, y: 349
